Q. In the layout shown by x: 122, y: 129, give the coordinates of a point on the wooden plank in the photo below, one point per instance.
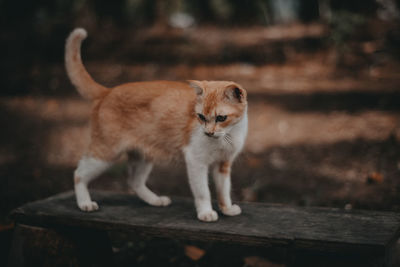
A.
x: 324, y: 229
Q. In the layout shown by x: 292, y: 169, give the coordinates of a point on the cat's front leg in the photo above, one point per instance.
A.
x: 222, y: 180
x: 198, y: 181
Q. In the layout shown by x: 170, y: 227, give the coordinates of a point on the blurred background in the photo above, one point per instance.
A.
x: 322, y: 76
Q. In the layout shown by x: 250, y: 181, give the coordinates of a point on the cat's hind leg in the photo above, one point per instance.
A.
x: 138, y: 171
x: 89, y: 168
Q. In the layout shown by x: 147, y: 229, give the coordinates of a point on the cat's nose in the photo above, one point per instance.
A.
x: 210, y: 134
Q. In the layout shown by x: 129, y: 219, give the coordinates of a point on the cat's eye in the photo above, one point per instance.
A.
x: 220, y: 118
x: 201, y: 116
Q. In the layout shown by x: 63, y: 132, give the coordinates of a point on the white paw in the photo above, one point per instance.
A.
x: 161, y: 201
x: 88, y: 206
x: 232, y: 210
x: 207, y: 216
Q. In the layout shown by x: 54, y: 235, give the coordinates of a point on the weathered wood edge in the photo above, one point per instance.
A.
x: 19, y: 216
x: 71, y: 193
x: 390, y: 246
x: 212, y: 236
x: 151, y: 231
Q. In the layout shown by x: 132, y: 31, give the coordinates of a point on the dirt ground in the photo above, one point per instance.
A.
x: 319, y: 134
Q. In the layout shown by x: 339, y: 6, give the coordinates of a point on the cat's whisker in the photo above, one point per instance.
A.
x: 228, y: 139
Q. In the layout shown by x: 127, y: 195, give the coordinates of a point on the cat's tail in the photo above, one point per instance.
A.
x: 77, y: 73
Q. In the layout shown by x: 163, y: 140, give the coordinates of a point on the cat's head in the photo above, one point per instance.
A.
x: 219, y: 105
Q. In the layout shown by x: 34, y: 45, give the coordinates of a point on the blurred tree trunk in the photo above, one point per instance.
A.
x: 161, y: 13
x: 309, y: 10
x: 205, y: 11
x: 285, y: 11
x: 243, y: 11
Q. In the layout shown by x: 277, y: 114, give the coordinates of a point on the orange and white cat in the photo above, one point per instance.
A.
x: 158, y: 121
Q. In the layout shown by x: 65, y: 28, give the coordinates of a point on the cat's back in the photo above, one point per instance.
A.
x: 138, y: 93
x: 143, y: 98
x: 155, y: 117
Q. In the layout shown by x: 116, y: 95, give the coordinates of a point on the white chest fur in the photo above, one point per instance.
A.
x: 208, y: 150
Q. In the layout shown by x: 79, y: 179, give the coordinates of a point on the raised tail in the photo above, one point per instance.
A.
x: 77, y: 73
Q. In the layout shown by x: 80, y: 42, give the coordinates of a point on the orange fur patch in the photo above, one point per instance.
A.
x: 210, y: 102
x: 224, y: 167
x: 218, y: 99
x: 155, y: 118
x: 221, y: 203
x: 77, y: 179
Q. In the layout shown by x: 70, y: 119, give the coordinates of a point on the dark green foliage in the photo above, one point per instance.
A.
x: 343, y: 27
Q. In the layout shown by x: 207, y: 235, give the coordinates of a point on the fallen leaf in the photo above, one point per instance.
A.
x: 374, y: 178
x: 194, y: 252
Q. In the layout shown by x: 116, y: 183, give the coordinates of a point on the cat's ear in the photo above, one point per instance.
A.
x: 196, y: 85
x: 236, y: 93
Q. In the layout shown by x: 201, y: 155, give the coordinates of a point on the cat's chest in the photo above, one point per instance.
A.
x: 209, y: 150
x: 218, y: 146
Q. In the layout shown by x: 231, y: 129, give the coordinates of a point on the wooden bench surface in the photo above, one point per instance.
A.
x: 325, y: 229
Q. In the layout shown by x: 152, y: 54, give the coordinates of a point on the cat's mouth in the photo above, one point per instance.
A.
x: 212, y: 135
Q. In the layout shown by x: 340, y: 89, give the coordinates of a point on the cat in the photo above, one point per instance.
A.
x: 157, y: 121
